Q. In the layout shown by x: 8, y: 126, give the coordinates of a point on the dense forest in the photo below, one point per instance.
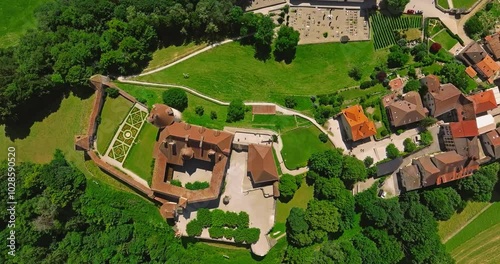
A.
x: 75, y: 39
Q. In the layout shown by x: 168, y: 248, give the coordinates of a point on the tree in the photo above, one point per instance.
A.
x: 338, y: 252
x: 235, y: 111
x: 442, y: 202
x: 355, y: 73
x: 397, y: 59
x: 427, y: 121
x: 479, y: 186
x: 412, y: 85
x: 290, y: 102
x: 454, y: 73
x: 419, y: 48
x: 175, y: 98
x: 334, y: 190
x: 435, y: 47
x: 368, y: 161
x: 473, y: 26
x: 112, y: 92
x: 353, y: 170
x: 323, y: 137
x: 367, y: 248
x: 327, y: 164
x: 287, y: 187
x: 264, y: 37
x: 388, y: 245
x: 199, y: 110
x: 213, y: 115
x: 299, y: 255
x: 409, y: 145
x: 392, y: 151
x: 322, y: 215
x: 286, y: 44
x: 397, y: 6
x: 297, y: 228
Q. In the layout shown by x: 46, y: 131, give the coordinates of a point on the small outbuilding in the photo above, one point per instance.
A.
x: 389, y: 167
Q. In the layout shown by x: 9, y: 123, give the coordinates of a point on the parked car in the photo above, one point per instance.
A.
x: 410, y: 11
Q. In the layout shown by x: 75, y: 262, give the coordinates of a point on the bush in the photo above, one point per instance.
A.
x: 409, y: 145
x: 288, y: 186
x: 204, y: 217
x: 213, y: 115
x: 290, y: 102
x: 218, y: 218
x: 176, y: 183
x: 228, y: 233
x: 197, y: 185
x: 194, y: 228
x: 426, y: 138
x: 323, y: 137
x: 355, y: 73
x: 412, y: 85
x: 384, y: 133
x: 280, y: 20
x: 247, y: 235
x: 298, y: 180
x: 199, y: 110
x: 368, y: 84
x: 392, y: 151
x: 368, y: 161
x: 243, y: 220
x: 325, y: 34
x: 435, y: 47
x: 216, y: 232
x: 176, y: 98
x: 235, y: 111
x: 274, y: 138
x: 286, y: 8
x: 112, y: 92
x: 231, y: 219
x: 400, y: 131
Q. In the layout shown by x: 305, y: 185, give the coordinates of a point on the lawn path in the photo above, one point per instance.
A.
x: 279, y: 108
x: 467, y: 223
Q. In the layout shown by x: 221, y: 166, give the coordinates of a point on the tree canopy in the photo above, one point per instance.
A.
x: 175, y: 98
x: 286, y: 44
x: 235, y: 111
x: 454, y: 73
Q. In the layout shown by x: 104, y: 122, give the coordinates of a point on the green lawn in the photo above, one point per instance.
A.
x: 465, y: 4
x: 57, y: 131
x: 446, y: 41
x: 478, y: 242
x: 443, y: 3
x: 300, y: 199
x: 434, y: 27
x: 231, y: 72
x: 16, y: 17
x: 172, y: 53
x: 140, y: 157
x: 447, y: 228
x: 112, y: 115
x: 432, y: 69
x: 299, y: 144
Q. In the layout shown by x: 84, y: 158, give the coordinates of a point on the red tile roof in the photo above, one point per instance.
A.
x: 483, y: 101
x: 465, y: 128
x: 361, y: 126
x: 488, y: 67
x: 396, y: 84
x: 261, y: 164
x: 493, y: 44
x: 264, y: 109
x: 471, y: 72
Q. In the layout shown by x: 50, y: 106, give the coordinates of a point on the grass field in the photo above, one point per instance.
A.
x: 16, y: 17
x: 434, y: 27
x: 140, y: 157
x: 57, y: 131
x: 465, y: 4
x: 478, y: 242
x: 299, y: 144
x: 443, y: 3
x: 231, y: 72
x: 444, y: 38
x: 447, y: 228
x: 112, y: 115
x: 300, y: 199
x: 172, y: 53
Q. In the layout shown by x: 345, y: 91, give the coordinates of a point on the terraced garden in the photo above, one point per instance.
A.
x: 385, y: 26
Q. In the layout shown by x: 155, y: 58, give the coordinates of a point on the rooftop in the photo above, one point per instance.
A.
x: 261, y: 164
x: 493, y: 44
x: 488, y: 66
x: 361, y: 126
x: 483, y: 101
x: 465, y: 128
x: 408, y: 110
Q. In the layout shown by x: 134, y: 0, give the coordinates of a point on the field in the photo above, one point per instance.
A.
x: 463, y: 4
x: 444, y: 38
x: 434, y: 27
x: 172, y: 53
x: 384, y: 27
x: 112, y: 115
x: 300, y: 199
x: 447, y: 228
x: 231, y: 72
x: 16, y: 17
x: 443, y: 3
x: 140, y: 157
x: 478, y: 242
x: 299, y: 144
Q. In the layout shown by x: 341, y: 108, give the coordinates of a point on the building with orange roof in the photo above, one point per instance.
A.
x: 396, y: 84
x: 493, y: 45
x: 487, y: 67
x: 483, y: 101
x: 356, y: 124
x: 471, y: 72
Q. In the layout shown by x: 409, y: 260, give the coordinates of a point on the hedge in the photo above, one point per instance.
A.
x: 204, y: 217
x: 216, y: 232
x: 176, y: 183
x: 197, y: 185
x: 247, y: 235
x: 194, y: 228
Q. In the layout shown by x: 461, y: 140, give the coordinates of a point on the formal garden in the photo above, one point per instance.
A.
x: 384, y: 28
x: 113, y: 113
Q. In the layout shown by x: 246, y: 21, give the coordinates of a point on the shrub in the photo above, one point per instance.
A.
x: 368, y: 161
x: 112, y: 92
x: 194, y: 228
x: 197, y: 185
x: 199, y: 110
x: 274, y: 138
x: 286, y: 8
x: 384, y: 133
x: 409, y: 145
x: 325, y: 34
x: 298, y: 180
x: 176, y: 98
x: 243, y: 220
x: 412, y: 85
x: 213, y: 115
x: 355, y: 73
x: 204, y: 217
x: 218, y: 218
x: 280, y: 20
x: 290, y: 102
x: 216, y: 232
x: 323, y: 137
x: 400, y: 131
x: 247, y: 235
x: 231, y: 219
x: 381, y: 76
x: 392, y: 151
x: 426, y: 138
x: 435, y: 47
x: 368, y: 84
x: 235, y: 111
x: 176, y: 183
x: 288, y: 186
x: 228, y: 233
x: 376, y: 117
